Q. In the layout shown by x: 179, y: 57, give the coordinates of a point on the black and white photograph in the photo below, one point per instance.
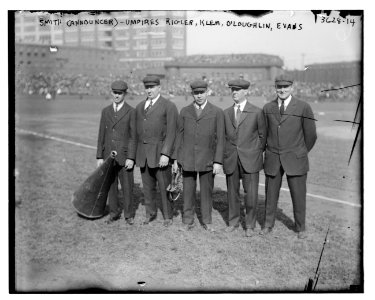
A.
x: 186, y: 151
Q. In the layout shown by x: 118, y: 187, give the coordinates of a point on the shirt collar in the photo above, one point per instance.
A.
x: 286, y: 101
x: 155, y: 99
x: 242, y: 105
x: 202, y: 106
x: 117, y: 107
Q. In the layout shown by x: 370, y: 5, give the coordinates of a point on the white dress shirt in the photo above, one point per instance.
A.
x: 241, y: 105
x: 286, y: 102
x: 202, y: 106
x: 117, y: 107
x: 149, y: 101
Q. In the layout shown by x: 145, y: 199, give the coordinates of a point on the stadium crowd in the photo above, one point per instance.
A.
x: 252, y: 59
x: 95, y: 85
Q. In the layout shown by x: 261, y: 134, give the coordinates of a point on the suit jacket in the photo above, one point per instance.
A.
x: 117, y: 132
x: 245, y: 142
x: 156, y: 132
x: 200, y: 140
x: 289, y: 138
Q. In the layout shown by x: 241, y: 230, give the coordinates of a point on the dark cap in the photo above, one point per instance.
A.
x: 151, y: 80
x: 198, y: 85
x: 284, y: 79
x: 239, y: 83
x: 119, y: 86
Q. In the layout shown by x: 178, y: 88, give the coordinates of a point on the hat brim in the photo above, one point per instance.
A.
x: 238, y: 87
x: 199, y: 89
x: 281, y: 82
x: 116, y: 90
x: 151, y: 84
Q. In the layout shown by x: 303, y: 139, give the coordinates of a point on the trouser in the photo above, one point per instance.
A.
x: 250, y: 183
x: 206, y: 183
x: 149, y: 178
x: 297, y: 187
x: 121, y: 201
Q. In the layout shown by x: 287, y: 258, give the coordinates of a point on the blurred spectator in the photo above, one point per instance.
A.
x: 96, y: 85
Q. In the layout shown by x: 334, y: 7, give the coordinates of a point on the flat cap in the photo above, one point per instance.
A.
x: 151, y: 80
x: 119, y: 86
x: 284, y: 79
x: 198, y: 85
x: 239, y: 83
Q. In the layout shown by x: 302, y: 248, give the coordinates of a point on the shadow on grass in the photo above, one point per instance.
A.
x: 220, y: 204
x: 137, y: 200
x: 177, y: 206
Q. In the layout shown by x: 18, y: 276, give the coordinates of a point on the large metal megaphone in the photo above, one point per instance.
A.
x: 90, y: 199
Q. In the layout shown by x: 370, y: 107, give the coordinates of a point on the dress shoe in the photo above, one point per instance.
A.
x: 265, y: 231
x: 302, y: 235
x: 187, y: 227
x: 231, y: 228
x: 167, y: 222
x: 250, y: 232
x: 112, y: 219
x: 147, y: 220
x: 129, y: 221
x: 209, y: 227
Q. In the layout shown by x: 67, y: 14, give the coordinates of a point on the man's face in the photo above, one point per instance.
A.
x: 152, y: 91
x: 199, y: 96
x: 118, y: 96
x: 238, y: 94
x: 283, y: 91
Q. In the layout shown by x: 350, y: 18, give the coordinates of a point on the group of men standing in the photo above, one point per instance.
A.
x: 204, y: 140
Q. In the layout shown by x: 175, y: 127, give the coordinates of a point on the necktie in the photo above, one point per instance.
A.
x: 199, y: 110
x: 282, y: 108
x: 238, y: 114
x: 148, y: 107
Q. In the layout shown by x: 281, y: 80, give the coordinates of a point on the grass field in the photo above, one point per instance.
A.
x: 56, y: 250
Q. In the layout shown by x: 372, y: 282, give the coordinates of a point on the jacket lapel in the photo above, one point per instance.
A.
x: 231, y: 116
x: 111, y: 114
x: 190, y: 110
x: 247, y: 109
x: 289, y: 110
x: 205, y: 111
x: 275, y: 110
x: 121, y: 113
x: 154, y: 105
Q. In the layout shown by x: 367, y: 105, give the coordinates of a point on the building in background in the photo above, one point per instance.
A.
x: 34, y: 59
x: 338, y: 73
x: 142, y: 46
x: 252, y: 66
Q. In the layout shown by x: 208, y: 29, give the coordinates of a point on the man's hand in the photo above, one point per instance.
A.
x: 99, y: 162
x: 129, y: 164
x: 163, y: 162
x: 217, y: 168
x: 175, y: 166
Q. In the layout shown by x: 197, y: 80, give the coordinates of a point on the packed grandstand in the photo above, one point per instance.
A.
x: 88, y: 84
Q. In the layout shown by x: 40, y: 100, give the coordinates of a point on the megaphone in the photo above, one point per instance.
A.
x: 90, y: 199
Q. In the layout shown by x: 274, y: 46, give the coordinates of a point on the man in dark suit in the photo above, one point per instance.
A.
x: 199, y: 150
x: 245, y: 133
x: 156, y: 132
x: 117, y: 133
x: 291, y: 134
